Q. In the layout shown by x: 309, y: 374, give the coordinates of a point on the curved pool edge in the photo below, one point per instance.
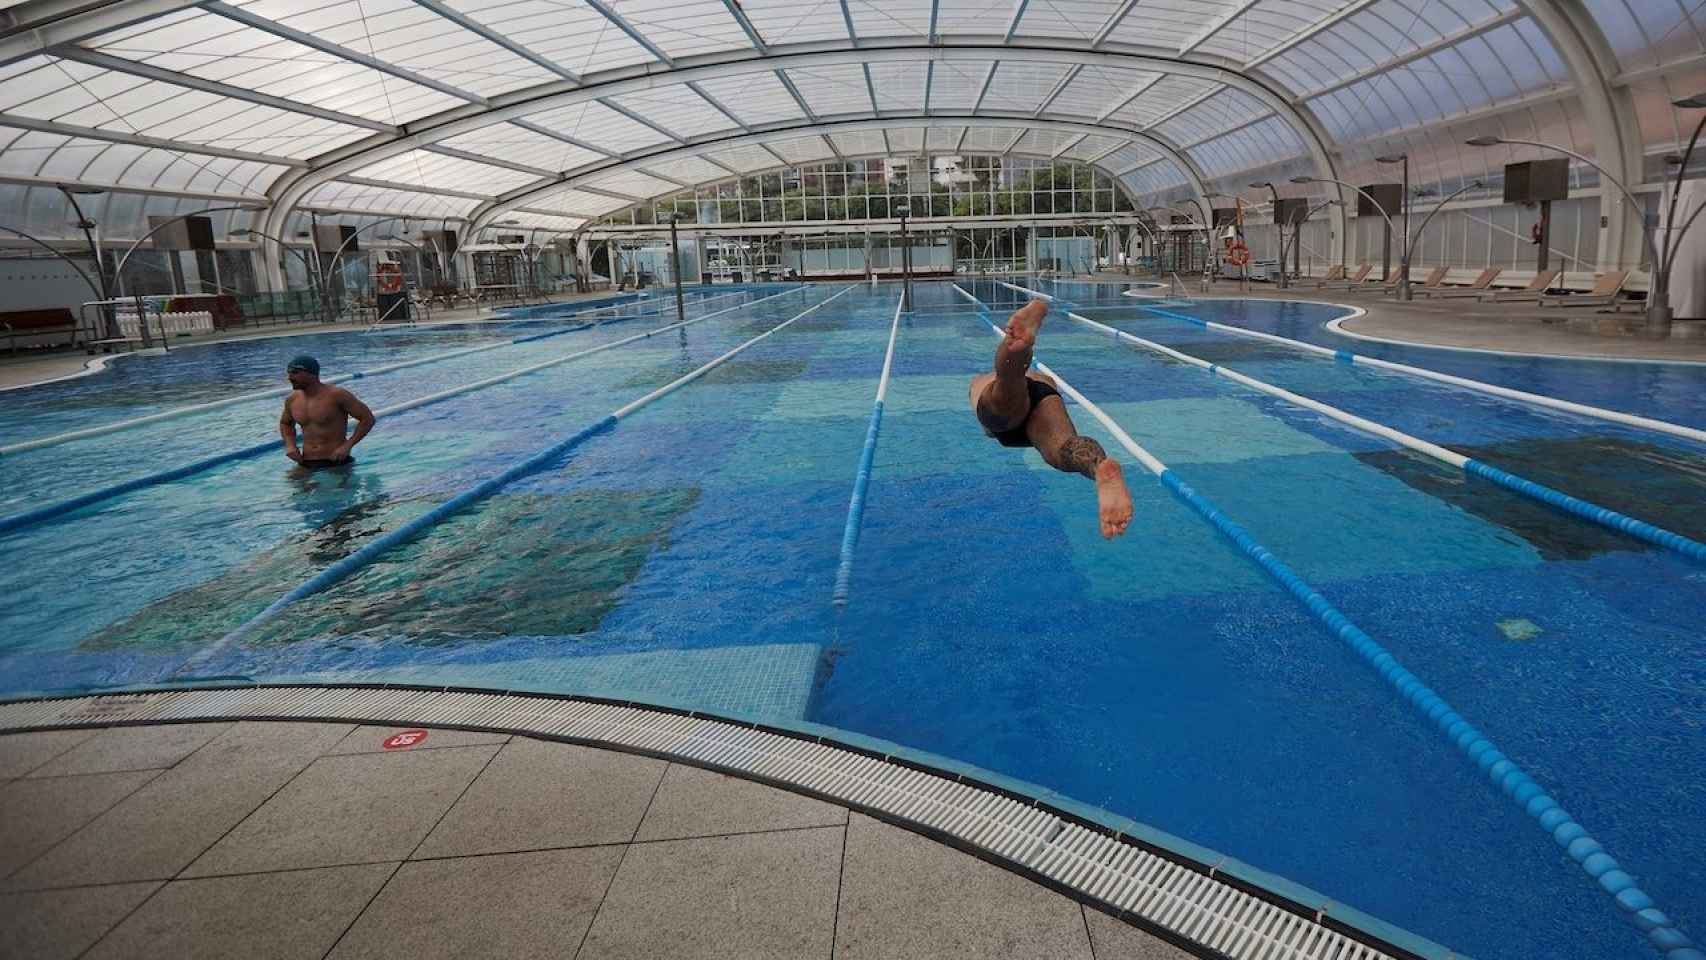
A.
x: 1336, y: 326
x: 1205, y: 902
x: 91, y: 366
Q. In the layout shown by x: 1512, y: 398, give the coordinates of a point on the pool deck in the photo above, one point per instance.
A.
x: 1468, y: 324
x: 313, y: 840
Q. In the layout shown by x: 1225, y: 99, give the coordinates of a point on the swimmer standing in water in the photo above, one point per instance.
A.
x: 324, y: 412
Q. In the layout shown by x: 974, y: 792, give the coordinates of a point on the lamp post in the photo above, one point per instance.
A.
x: 1404, y: 254
x: 1278, y: 228
x: 307, y: 265
x: 72, y: 192
x: 905, y: 258
x: 675, y: 263
x: 1404, y: 263
x: 118, y: 271
x: 1664, y: 254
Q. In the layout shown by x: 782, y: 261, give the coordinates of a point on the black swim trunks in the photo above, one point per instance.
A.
x: 326, y: 464
x: 1016, y: 437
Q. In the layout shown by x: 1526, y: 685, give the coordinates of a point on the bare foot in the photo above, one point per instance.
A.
x: 1023, y: 325
x: 1113, y: 501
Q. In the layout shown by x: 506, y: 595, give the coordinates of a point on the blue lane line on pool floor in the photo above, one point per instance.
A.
x: 544, y: 459
x: 1661, y: 931
x: 18, y: 521
x: 1557, y: 499
x: 862, y: 476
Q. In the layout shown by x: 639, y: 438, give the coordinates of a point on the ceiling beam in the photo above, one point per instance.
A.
x: 443, y: 150
x: 95, y: 58
x: 847, y: 18
x: 1112, y: 23
x: 935, y: 10
x: 633, y: 34
x: 612, y: 194
x: 717, y: 104
x: 408, y: 187
x: 1060, y: 86
x: 1142, y: 89
x: 1068, y: 145
x: 929, y: 81
x: 36, y: 28
x: 1009, y: 148
x: 1013, y: 21
x: 794, y: 92
x: 283, y: 32
x: 140, y: 140
x: 752, y: 34
x: 1421, y: 52
x: 544, y: 131
x: 1215, y: 26
x: 870, y: 88
x: 1190, y: 104
x: 479, y: 29
x: 644, y: 121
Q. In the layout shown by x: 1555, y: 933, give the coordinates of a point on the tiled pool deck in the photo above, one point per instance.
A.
x: 284, y: 839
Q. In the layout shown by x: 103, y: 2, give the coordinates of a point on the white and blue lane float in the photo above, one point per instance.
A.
x: 862, y: 476
x: 26, y: 518
x: 545, y: 459
x: 1557, y: 499
x: 1479, y: 386
x: 1637, y: 907
x: 275, y: 392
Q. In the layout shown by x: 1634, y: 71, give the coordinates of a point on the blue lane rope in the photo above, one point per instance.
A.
x: 862, y: 477
x: 17, y: 521
x: 539, y: 461
x: 1661, y: 931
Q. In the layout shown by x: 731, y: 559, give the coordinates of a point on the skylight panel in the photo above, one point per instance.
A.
x: 577, y: 202
x: 909, y: 140
x: 802, y: 150
x: 633, y: 183
x: 860, y: 143
x: 683, y: 28
x: 789, y: 21
x: 1095, y: 90
x: 942, y: 139
x: 509, y: 142
x: 899, y: 85
x: 889, y: 18
x: 955, y: 85
x: 833, y: 89
x: 1076, y: 19
x: 688, y: 170
x: 596, y: 124
x: 676, y: 108
x: 745, y: 158
x: 421, y: 168
x: 755, y: 98
x: 1020, y: 86
x: 567, y: 32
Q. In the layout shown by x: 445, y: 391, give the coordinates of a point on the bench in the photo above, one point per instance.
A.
x: 38, y: 323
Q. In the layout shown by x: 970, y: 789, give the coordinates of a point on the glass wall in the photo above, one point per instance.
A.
x: 877, y: 189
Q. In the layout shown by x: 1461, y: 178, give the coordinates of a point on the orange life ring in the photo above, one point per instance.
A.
x: 1238, y: 254
x: 389, y: 280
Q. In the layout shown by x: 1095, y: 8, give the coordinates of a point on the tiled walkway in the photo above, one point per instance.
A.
x: 313, y: 840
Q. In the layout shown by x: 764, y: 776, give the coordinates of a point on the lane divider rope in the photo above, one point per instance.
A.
x: 1346, y: 356
x: 1584, y: 509
x: 195, y: 408
x: 18, y: 521
x: 1661, y: 931
x: 542, y: 460
x: 862, y: 476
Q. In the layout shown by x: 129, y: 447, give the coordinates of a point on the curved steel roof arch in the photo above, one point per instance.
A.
x: 484, y: 215
x: 293, y: 185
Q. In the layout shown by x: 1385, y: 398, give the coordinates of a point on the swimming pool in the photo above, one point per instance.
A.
x: 688, y: 556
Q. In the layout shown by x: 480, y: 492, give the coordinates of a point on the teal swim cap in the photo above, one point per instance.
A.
x: 304, y: 363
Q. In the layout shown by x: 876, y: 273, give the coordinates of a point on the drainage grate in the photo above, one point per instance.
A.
x: 1182, y: 901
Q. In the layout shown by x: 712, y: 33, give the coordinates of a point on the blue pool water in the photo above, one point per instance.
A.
x: 688, y: 557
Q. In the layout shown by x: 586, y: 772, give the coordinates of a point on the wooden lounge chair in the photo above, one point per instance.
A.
x: 1482, y: 281
x: 1334, y: 275
x: 1534, y: 291
x: 1355, y: 281
x: 1430, y: 282
x: 1606, y: 289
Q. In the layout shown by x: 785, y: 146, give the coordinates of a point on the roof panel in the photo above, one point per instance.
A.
x: 1043, y: 142
x: 688, y: 170
x: 955, y: 84
x: 596, y: 124
x: 421, y: 168
x: 684, y: 27
x: 1020, y: 86
x: 744, y: 158
x: 409, y: 35
x: 507, y: 141
x: 788, y: 21
x: 938, y: 139
x: 1167, y: 95
x: 899, y: 85
x: 214, y: 48
x: 567, y: 32
x: 1129, y: 155
x: 754, y: 98
x: 909, y: 140
x: 361, y: 198
x: 860, y: 143
x: 833, y: 89
x: 571, y: 201
x: 634, y: 183
x: 1077, y: 19
x: 1091, y: 147
x: 1223, y: 111
x: 1096, y: 90
x: 989, y: 139
x: 803, y: 149
x: 75, y: 158
x: 1170, y: 23
x: 678, y: 109
x: 889, y: 18
x: 534, y: 220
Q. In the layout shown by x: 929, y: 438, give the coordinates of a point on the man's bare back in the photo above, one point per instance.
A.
x: 323, y: 412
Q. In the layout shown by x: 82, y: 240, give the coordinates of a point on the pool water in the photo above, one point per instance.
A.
x: 687, y: 557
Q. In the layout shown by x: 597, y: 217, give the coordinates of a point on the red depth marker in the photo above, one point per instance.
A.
x: 404, y: 740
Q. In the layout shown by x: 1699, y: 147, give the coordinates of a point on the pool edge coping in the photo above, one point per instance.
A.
x: 1216, y: 899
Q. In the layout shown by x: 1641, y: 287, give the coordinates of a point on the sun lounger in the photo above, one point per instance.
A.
x: 1534, y: 291
x: 1606, y: 289
x: 1355, y: 281
x: 1335, y: 275
x: 1482, y: 281
x: 1430, y: 282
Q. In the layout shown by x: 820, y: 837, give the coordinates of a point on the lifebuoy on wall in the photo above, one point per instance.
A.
x: 389, y: 279
x: 1238, y: 254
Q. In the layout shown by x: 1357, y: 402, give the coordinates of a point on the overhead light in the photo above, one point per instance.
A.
x: 1392, y: 158
x: 1262, y: 186
x: 1302, y: 179
x: 1486, y: 141
x: 1672, y: 159
x: 81, y: 190
x: 1695, y: 102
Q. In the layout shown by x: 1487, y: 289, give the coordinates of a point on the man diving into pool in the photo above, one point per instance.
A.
x: 1023, y: 409
x: 323, y: 411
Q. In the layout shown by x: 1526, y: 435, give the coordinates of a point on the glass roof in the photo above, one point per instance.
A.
x: 463, y: 108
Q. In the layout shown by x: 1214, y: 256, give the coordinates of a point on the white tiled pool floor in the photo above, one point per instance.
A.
x: 316, y: 840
